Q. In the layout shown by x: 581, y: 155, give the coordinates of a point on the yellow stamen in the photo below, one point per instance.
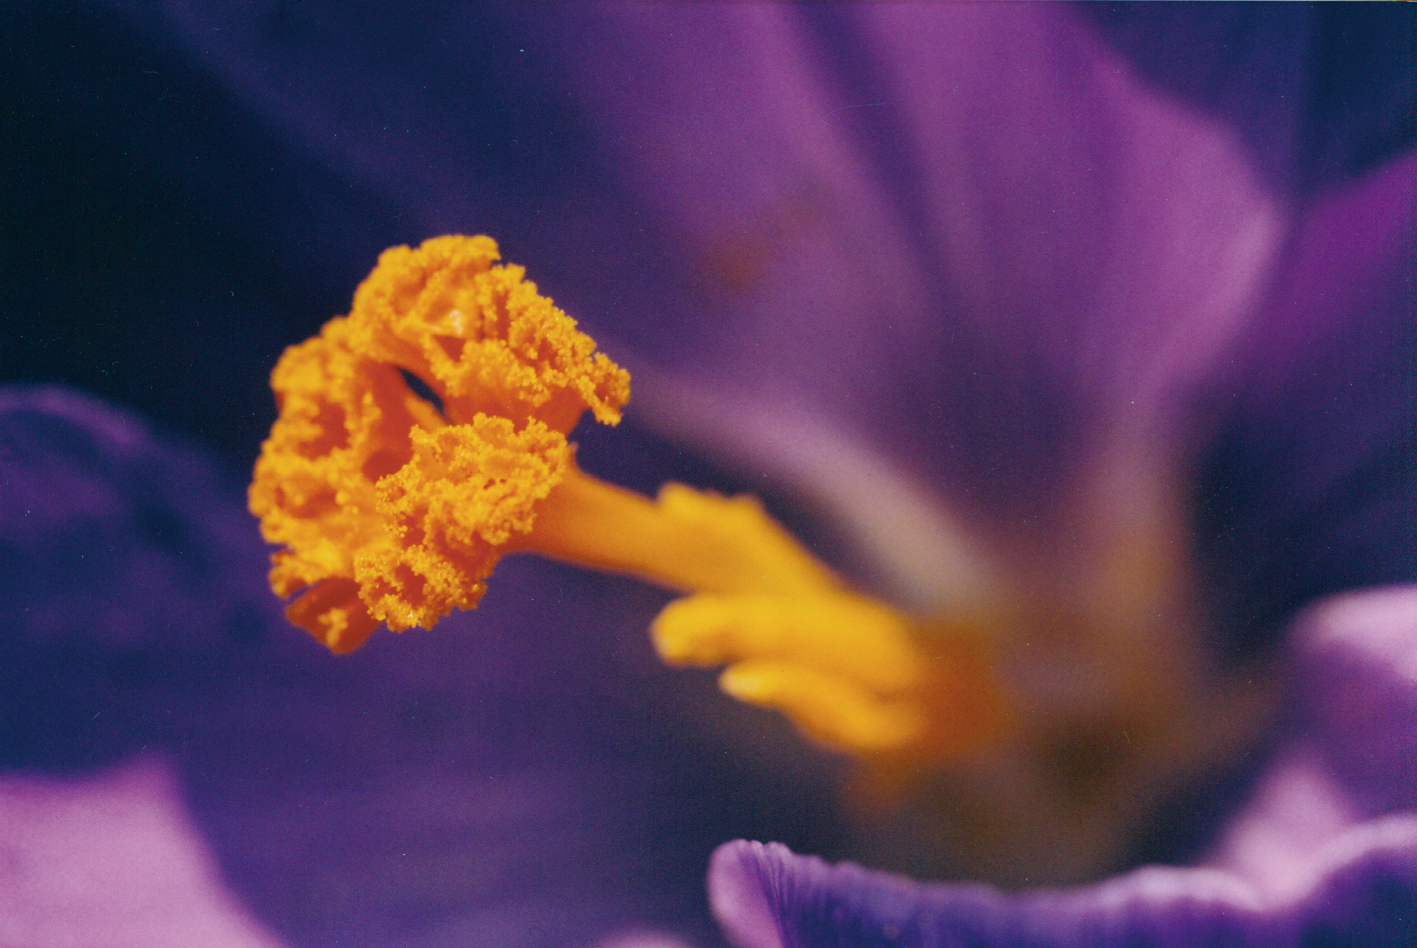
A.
x: 836, y: 633
x: 832, y: 709
x: 852, y: 672
x: 482, y: 337
x: 393, y: 510
x: 687, y: 539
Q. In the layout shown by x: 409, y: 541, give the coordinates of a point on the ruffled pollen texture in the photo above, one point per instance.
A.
x: 391, y: 508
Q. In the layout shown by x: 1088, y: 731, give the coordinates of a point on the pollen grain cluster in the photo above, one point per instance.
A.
x: 391, y: 509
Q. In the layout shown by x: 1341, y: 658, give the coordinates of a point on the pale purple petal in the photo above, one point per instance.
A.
x: 113, y: 861
x: 1356, y: 665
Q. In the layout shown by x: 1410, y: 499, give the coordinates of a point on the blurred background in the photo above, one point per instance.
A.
x: 167, y: 231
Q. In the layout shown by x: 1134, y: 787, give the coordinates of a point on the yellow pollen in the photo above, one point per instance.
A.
x: 392, y: 510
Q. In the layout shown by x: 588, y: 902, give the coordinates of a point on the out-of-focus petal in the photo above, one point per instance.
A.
x: 1318, y: 93
x: 1345, y: 766
x: 967, y: 243
x: 1359, y: 893
x: 272, y: 148
x: 946, y: 208
x: 111, y: 861
x: 528, y: 768
x: 1356, y: 661
x: 1305, y: 484
x: 1325, y: 849
x: 100, y: 524
x: 646, y: 941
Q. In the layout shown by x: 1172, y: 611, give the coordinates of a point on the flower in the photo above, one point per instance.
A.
x: 1045, y: 297
x: 391, y: 511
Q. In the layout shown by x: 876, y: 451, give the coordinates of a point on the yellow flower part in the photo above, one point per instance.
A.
x: 482, y: 337
x: 390, y: 509
x: 850, y: 671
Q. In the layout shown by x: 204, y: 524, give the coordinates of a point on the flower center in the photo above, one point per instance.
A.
x: 391, y: 510
x: 1052, y: 721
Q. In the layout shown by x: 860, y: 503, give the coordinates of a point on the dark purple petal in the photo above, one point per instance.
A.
x: 1319, y: 93
x: 526, y: 771
x: 100, y: 523
x: 1305, y: 486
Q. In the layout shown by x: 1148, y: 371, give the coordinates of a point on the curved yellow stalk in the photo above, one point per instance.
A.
x: 393, y: 510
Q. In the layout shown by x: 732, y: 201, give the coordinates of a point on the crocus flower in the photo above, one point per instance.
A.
x: 1020, y: 325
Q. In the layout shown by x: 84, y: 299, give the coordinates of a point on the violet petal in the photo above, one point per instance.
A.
x: 1362, y: 894
x: 1324, y: 852
x: 112, y: 861
x: 526, y: 771
x: 1304, y: 486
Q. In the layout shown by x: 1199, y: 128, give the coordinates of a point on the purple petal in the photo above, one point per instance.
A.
x: 112, y: 861
x: 526, y: 771
x: 247, y: 162
x: 934, y: 256
x: 1324, y: 852
x: 1356, y: 663
x: 1305, y: 487
x: 1319, y: 93
x: 1044, y: 239
x: 83, y: 486
x: 1359, y: 892
x: 862, y: 300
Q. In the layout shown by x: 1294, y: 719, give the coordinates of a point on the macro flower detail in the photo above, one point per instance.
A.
x: 393, y: 510
x: 513, y: 377
x: 1075, y: 340
x: 852, y: 672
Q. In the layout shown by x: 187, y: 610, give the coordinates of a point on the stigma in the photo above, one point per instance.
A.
x: 392, y: 508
